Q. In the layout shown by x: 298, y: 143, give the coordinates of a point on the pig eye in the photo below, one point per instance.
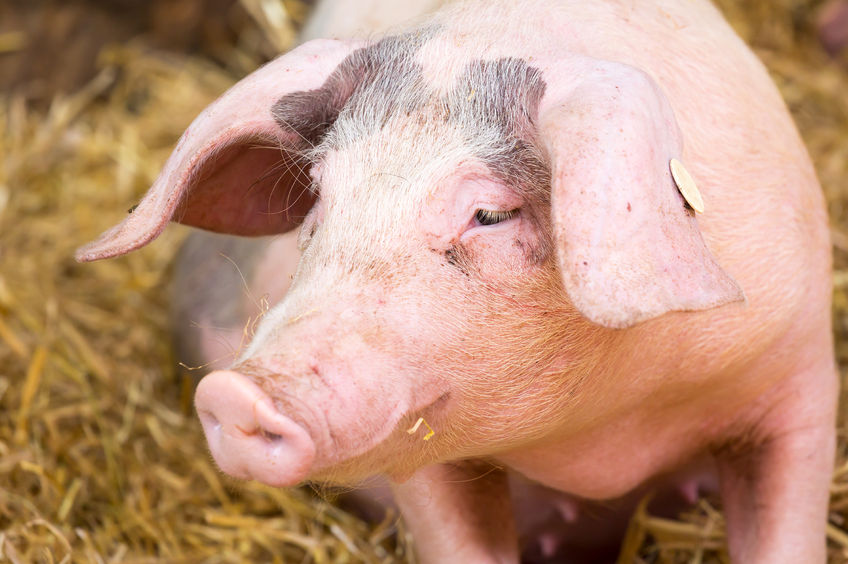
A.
x: 491, y: 217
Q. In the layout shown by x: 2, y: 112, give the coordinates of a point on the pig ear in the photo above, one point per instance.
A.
x: 239, y: 168
x: 628, y: 246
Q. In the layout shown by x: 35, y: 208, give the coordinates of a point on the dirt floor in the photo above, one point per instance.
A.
x: 101, y: 456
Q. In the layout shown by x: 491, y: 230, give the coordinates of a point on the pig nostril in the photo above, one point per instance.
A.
x: 208, y: 419
x: 269, y: 436
x: 248, y: 437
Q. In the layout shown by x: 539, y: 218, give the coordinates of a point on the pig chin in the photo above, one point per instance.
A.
x: 412, y: 438
x: 373, y: 445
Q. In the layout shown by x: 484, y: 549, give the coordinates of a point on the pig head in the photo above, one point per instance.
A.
x: 471, y: 237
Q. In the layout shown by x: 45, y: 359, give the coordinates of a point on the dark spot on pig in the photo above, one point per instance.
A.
x: 450, y: 255
x: 368, y: 85
x: 309, y: 114
x: 490, y: 100
x: 457, y: 256
x: 585, y: 263
x: 383, y: 80
x: 628, y: 207
x: 533, y: 254
x: 506, y: 100
x: 506, y: 95
x: 132, y: 209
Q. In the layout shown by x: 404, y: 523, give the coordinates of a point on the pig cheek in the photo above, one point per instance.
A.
x: 509, y: 255
x: 517, y: 304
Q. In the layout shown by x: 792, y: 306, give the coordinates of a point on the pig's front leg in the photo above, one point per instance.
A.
x: 459, y: 512
x: 775, y: 481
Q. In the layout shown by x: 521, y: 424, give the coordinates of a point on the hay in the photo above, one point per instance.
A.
x: 101, y: 457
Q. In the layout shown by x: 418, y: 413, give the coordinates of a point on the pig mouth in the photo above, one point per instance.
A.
x: 349, y: 447
x: 400, y: 444
x: 391, y: 447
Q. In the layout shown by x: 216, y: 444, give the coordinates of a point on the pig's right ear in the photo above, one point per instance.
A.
x: 240, y: 167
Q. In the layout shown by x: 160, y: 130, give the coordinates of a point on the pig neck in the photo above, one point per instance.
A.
x: 633, y: 416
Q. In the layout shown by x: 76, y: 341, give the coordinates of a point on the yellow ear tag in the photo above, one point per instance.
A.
x: 686, y: 185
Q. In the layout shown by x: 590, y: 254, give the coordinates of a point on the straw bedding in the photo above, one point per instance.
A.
x: 101, y: 457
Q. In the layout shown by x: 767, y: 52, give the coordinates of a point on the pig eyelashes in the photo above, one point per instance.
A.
x: 491, y: 217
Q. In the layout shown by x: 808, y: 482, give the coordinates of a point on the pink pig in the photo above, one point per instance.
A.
x: 493, y: 248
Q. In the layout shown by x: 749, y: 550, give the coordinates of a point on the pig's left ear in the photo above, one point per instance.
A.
x: 629, y: 248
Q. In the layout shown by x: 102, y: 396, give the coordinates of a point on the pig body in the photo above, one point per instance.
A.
x: 493, y: 248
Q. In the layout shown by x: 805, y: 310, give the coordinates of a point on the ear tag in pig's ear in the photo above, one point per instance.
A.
x: 686, y: 184
x: 629, y: 248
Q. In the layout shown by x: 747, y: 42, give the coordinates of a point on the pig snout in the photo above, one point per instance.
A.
x: 247, y: 436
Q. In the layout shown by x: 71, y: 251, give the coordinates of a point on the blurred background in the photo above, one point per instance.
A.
x: 101, y: 457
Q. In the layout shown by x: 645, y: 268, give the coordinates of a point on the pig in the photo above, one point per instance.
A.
x: 832, y: 26
x: 482, y: 236
x: 346, y: 19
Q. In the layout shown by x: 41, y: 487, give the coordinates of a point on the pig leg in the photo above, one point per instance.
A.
x: 459, y: 513
x: 222, y: 285
x: 775, y: 482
